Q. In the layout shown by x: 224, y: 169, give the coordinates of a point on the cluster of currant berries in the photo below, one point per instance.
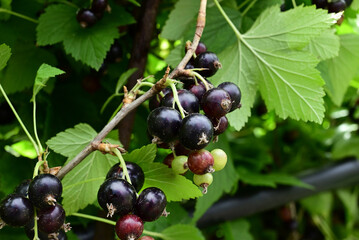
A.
x: 188, y: 136
x: 87, y: 17
x: 42, y: 192
x: 119, y: 198
x: 334, y: 6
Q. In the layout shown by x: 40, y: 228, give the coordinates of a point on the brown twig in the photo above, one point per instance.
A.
x: 94, y: 145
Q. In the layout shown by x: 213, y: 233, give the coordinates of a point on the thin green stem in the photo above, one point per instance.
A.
x: 36, y: 235
x: 155, y: 234
x: 20, y: 121
x: 116, y: 111
x: 197, y: 75
x: 294, y: 3
x: 18, y: 15
x: 35, y: 128
x: 176, y: 99
x: 148, y: 84
x: 37, y: 167
x: 243, y: 4
x: 248, y: 8
x: 123, y: 164
x: 94, y: 218
x: 231, y: 24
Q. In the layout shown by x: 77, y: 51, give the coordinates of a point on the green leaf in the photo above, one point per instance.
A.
x: 346, y: 148
x: 325, y: 46
x: 349, y: 200
x: 339, y: 71
x: 24, y: 148
x: 179, y: 19
x: 82, y: 183
x: 44, y: 73
x: 89, y: 45
x: 182, y: 232
x: 5, y: 54
x: 175, y: 56
x: 237, y: 230
x: 355, y: 5
x: 145, y: 154
x: 5, y: 4
x: 320, y: 204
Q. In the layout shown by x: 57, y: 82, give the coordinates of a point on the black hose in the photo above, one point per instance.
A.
x: 335, y: 176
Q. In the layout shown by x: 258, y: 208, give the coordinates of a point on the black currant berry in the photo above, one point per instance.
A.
x: 155, y: 101
x: 98, y: 6
x: 150, y: 204
x: 23, y: 188
x: 189, y: 82
x: 129, y: 227
x: 216, y: 103
x: 207, y: 60
x: 86, y: 18
x: 51, y: 219
x: 196, y: 131
x: 320, y: 3
x: 348, y: 2
x: 116, y: 196
x: 164, y: 123
x: 6, y: 115
x: 134, y: 171
x: 219, y: 125
x: 201, y: 48
x: 115, y: 52
x: 16, y: 210
x: 181, y: 150
x: 188, y: 100
x: 198, y: 90
x: 29, y: 231
x: 200, y: 162
x: 234, y: 92
x: 45, y: 190
x: 190, y: 64
x: 338, y: 6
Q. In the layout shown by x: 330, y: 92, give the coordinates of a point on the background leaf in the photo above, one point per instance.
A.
x: 182, y: 232
x: 5, y: 54
x: 237, y: 230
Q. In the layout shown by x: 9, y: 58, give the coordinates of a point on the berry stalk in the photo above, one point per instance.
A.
x: 18, y: 15
x: 199, y: 76
x: 176, y: 100
x: 123, y: 164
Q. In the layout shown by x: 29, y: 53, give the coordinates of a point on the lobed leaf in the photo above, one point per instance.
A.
x: 182, y: 232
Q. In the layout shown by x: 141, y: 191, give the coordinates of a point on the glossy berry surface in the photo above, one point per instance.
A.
x: 190, y: 64
x: 182, y: 150
x: 219, y: 125
x: 115, y: 52
x: 207, y: 60
x: 99, y: 6
x: 179, y: 164
x: 129, y: 227
x: 200, y: 162
x: 320, y: 3
x: 29, y: 231
x: 86, y: 18
x: 164, y: 123
x: 216, y: 103
x: 23, y: 188
x: 338, y: 6
x: 188, y: 100
x: 45, y: 190
x: 198, y: 90
x: 16, y: 210
x: 201, y: 48
x: 134, y: 171
x: 234, y: 92
x: 146, y: 238
x: 220, y: 159
x: 150, y: 204
x: 51, y: 219
x: 116, y: 196
x: 155, y: 101
x: 196, y: 131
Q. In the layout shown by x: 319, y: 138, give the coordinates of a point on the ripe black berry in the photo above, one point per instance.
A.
x: 51, y: 219
x: 320, y: 3
x: 164, y: 123
x: 190, y: 64
x: 129, y: 227
x: 201, y: 48
x: 338, y: 6
x: 29, y: 231
x: 115, y: 52
x: 234, y: 92
x: 116, y: 196
x: 155, y: 101
x: 200, y: 162
x: 219, y: 125
x: 216, y: 103
x: 45, y: 190
x: 16, y: 210
x: 207, y: 60
x: 23, y: 188
x: 86, y: 18
x: 188, y: 100
x: 198, y: 90
x: 196, y: 131
x: 150, y: 204
x: 98, y: 6
x: 134, y: 171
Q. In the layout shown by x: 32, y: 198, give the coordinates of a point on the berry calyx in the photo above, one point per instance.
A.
x: 179, y: 164
x: 188, y: 101
x: 129, y: 227
x: 134, y: 171
x: 220, y: 159
x: 45, y: 190
x: 234, y: 92
x: 216, y: 103
x: 337, y: 6
x: 150, y: 204
x: 201, y: 162
x: 23, y: 188
x: 208, y: 60
x: 86, y: 17
x: 196, y: 131
x: 116, y: 196
x: 164, y: 123
x: 203, y: 181
x: 16, y: 210
x: 219, y: 125
x: 51, y: 219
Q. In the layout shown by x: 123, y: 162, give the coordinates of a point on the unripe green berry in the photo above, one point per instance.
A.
x: 220, y: 159
x: 203, y: 181
x: 179, y: 164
